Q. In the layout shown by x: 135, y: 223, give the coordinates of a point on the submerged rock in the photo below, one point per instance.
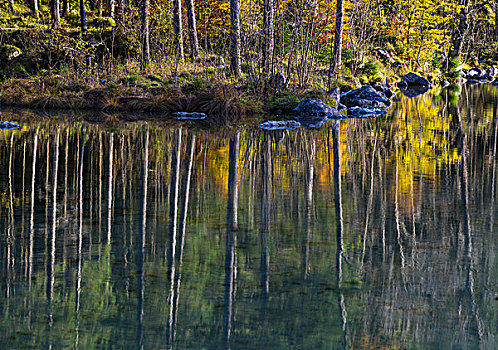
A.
x: 188, y: 115
x: 416, y: 80
x: 280, y: 125
x: 8, y: 125
x: 360, y: 112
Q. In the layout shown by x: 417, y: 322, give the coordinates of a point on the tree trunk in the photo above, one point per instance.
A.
x: 235, y: 37
x: 496, y: 21
x: 83, y: 17
x: 268, y: 35
x: 65, y: 7
x: 459, y: 34
x: 177, y: 23
x: 35, y: 8
x: 55, y: 14
x: 336, y: 55
x: 112, y: 6
x: 192, y: 30
x: 145, y: 34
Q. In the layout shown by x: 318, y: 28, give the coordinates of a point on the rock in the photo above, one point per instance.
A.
x: 476, y: 73
x: 188, y: 115
x: 9, y: 52
x: 360, y: 112
x: 402, y: 84
x: 413, y: 91
x: 482, y: 74
x: 416, y: 80
x: 8, y: 125
x: 383, y: 54
x: 335, y: 94
x: 314, y: 107
x: 492, y: 71
x: 463, y: 73
x: 280, y: 125
x: 495, y: 83
x: 366, y: 96
x: 385, y: 89
x: 341, y: 107
x: 444, y: 83
x: 312, y: 113
x: 278, y: 81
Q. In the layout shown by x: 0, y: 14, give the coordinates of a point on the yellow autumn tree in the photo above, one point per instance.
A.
x: 422, y: 28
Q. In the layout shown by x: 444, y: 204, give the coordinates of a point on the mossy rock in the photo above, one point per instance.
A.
x: 9, y: 53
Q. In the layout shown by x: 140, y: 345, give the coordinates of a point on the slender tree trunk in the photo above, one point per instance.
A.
x: 192, y: 30
x: 145, y: 34
x: 65, y: 7
x: 268, y: 35
x: 460, y: 32
x: 112, y: 8
x: 336, y: 55
x: 83, y: 17
x: 177, y: 23
x: 235, y: 37
x: 496, y: 21
x: 55, y: 13
x: 35, y: 8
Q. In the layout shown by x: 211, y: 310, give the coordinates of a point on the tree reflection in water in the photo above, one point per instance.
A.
x: 150, y: 236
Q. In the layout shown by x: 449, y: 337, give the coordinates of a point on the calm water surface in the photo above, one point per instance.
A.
x: 369, y: 234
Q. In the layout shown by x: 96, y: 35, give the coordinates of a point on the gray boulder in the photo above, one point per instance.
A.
x: 416, y: 80
x: 366, y: 96
x: 312, y: 113
x: 314, y: 107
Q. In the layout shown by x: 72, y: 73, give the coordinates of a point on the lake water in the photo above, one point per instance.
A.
x: 374, y: 234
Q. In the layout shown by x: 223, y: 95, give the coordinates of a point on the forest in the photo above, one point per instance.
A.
x: 60, y: 54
